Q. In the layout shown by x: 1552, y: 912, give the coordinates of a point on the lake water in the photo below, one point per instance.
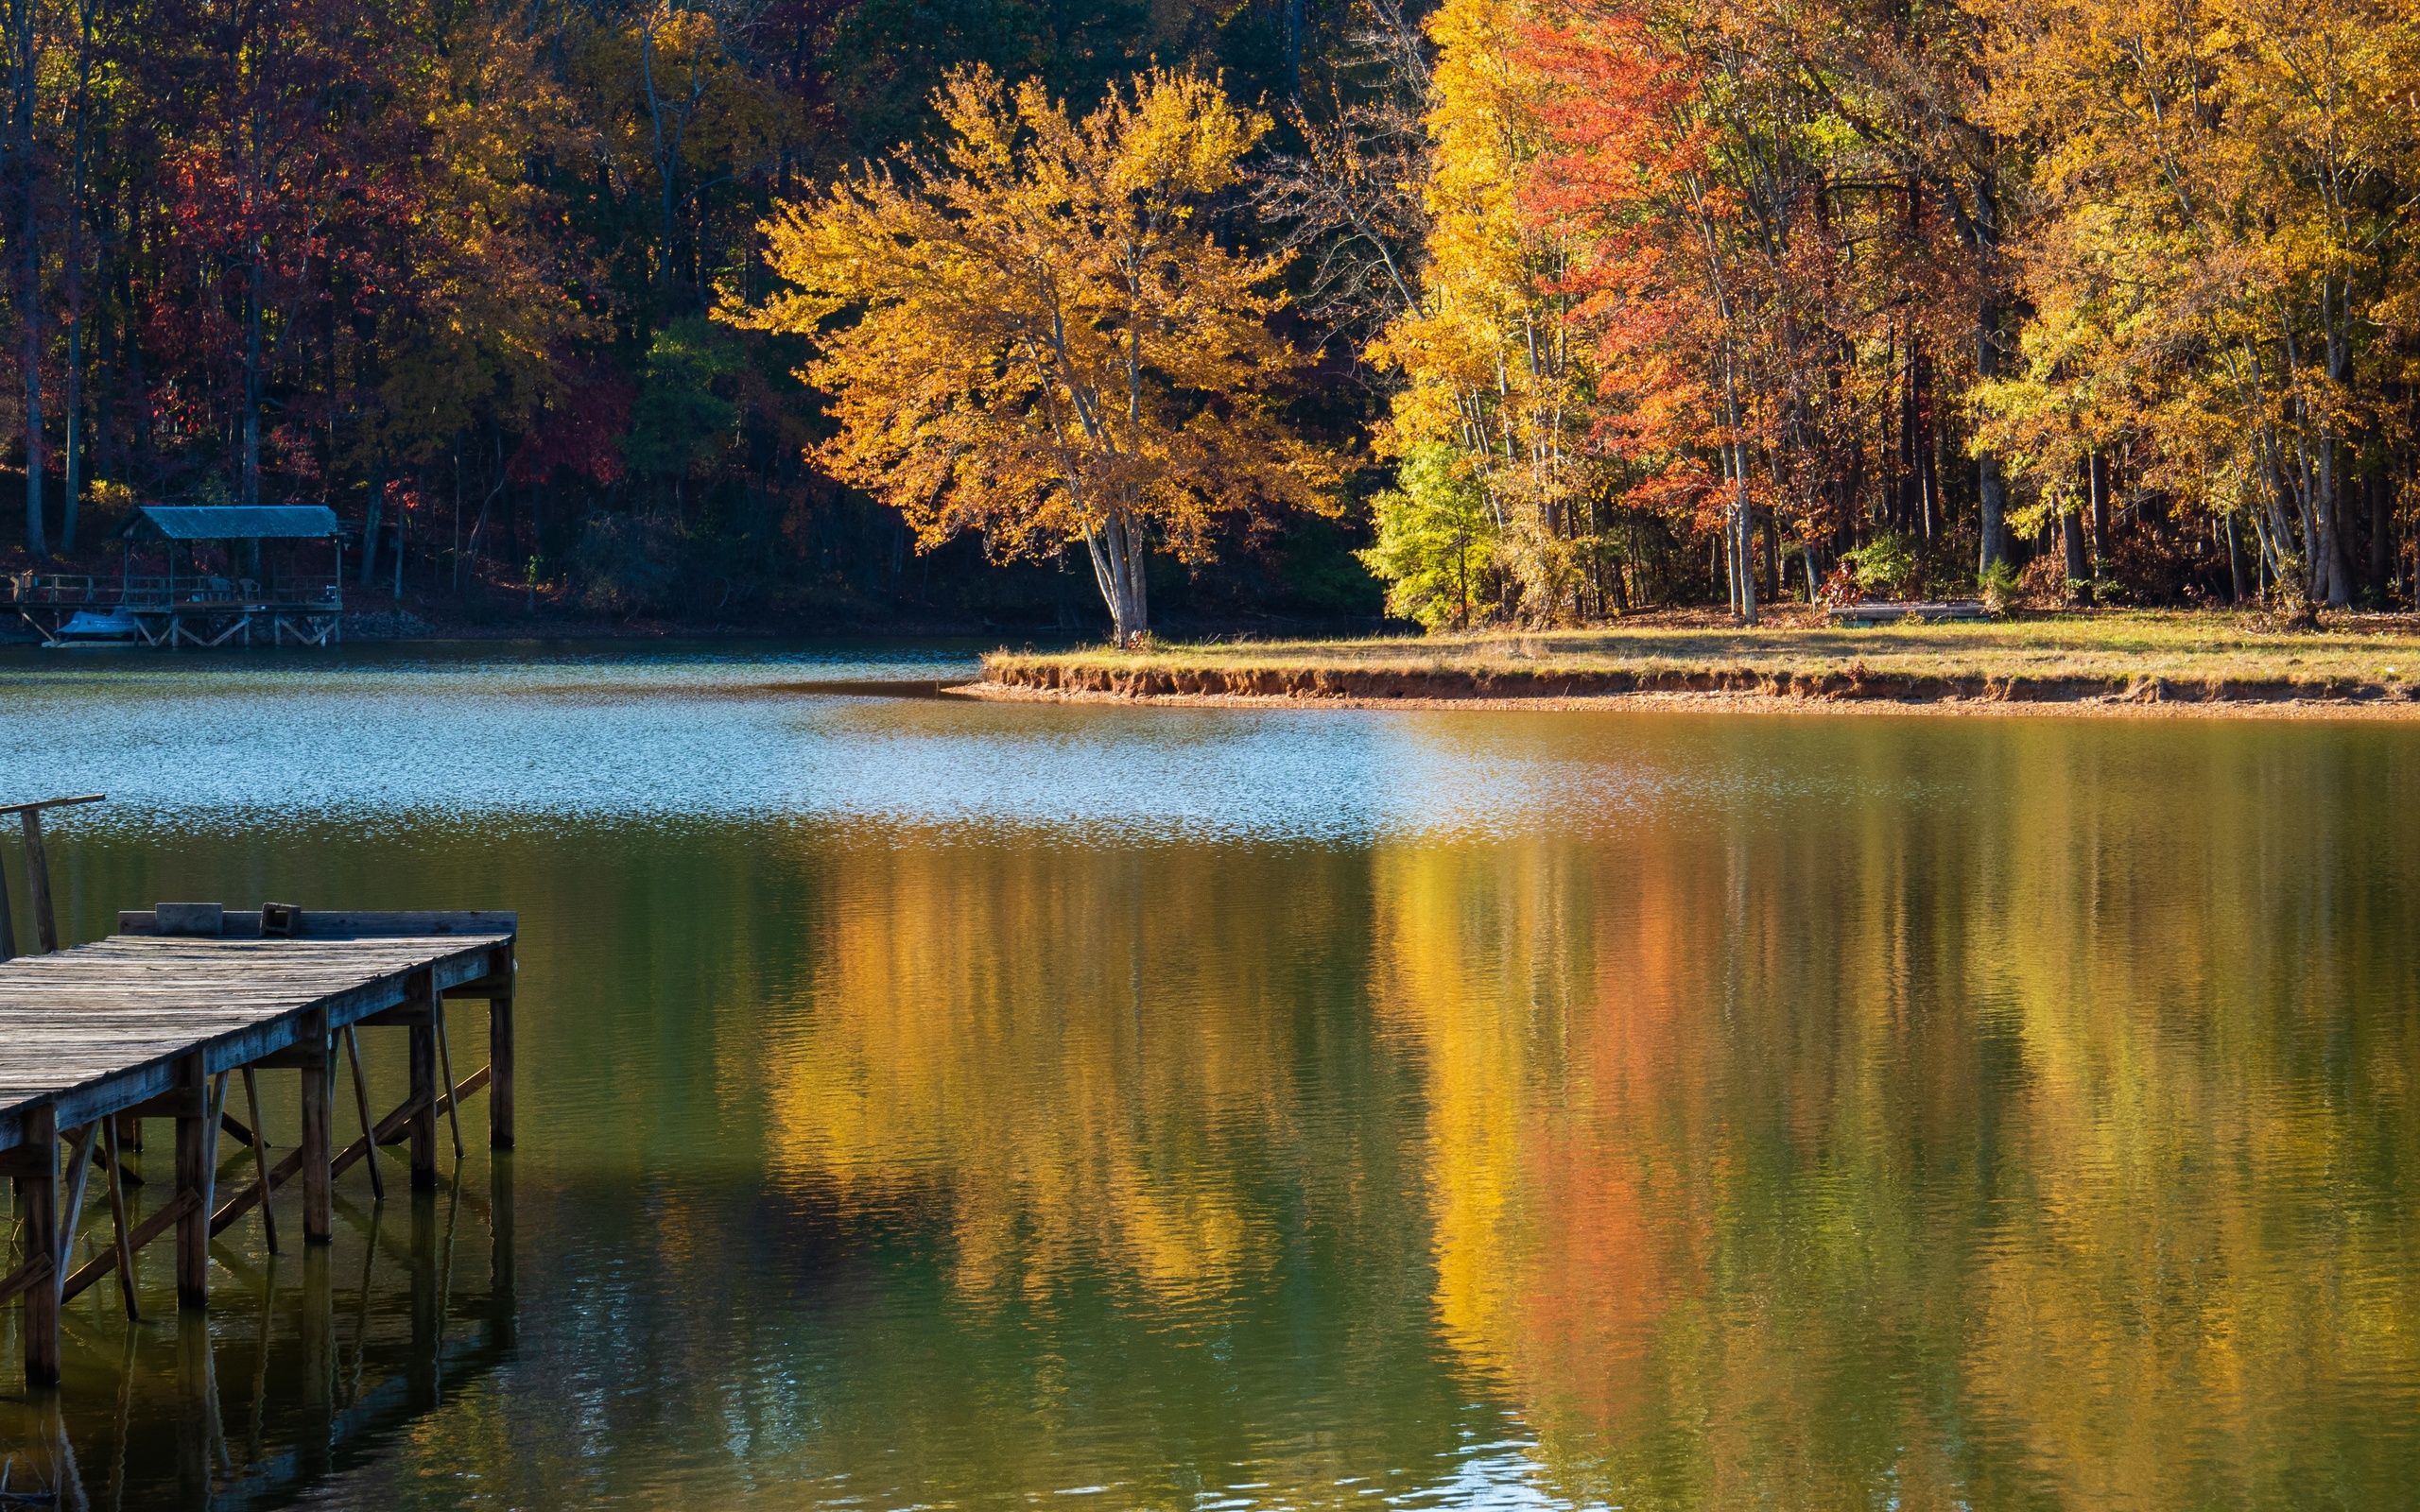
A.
x: 928, y: 1103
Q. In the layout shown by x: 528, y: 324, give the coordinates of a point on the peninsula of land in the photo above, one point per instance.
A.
x: 2131, y: 661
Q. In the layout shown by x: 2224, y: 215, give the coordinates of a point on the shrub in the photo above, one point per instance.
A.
x: 1884, y: 565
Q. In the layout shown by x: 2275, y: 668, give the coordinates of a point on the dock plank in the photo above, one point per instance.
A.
x: 96, y: 1029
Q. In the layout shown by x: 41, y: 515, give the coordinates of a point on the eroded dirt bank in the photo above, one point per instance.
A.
x: 1546, y: 687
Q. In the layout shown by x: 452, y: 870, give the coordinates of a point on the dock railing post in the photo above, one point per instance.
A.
x: 37, y: 876
x: 319, y: 1072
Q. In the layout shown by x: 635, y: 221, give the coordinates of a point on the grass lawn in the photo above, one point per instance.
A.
x: 2372, y: 655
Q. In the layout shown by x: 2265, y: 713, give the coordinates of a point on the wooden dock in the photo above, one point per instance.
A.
x: 157, y: 1021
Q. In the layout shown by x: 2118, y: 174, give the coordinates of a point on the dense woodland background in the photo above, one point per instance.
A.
x: 1604, y: 306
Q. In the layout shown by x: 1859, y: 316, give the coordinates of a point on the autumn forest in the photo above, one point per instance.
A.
x: 1492, y: 312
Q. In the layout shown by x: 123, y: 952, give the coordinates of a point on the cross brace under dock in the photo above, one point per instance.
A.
x: 151, y: 1023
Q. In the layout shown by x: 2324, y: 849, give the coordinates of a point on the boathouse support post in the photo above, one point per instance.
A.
x: 500, y: 1056
x: 318, y: 1068
x: 38, y: 1219
x: 197, y: 1176
x: 423, y: 1088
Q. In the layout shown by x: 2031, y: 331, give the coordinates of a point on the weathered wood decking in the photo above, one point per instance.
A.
x: 151, y: 1023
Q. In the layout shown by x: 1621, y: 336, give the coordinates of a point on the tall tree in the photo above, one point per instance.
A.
x: 25, y: 47
x: 1053, y: 347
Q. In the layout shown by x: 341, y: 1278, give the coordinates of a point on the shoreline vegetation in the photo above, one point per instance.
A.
x: 2128, y: 661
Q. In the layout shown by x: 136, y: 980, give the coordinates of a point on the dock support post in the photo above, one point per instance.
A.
x: 500, y: 1060
x: 361, y: 1102
x: 423, y: 1093
x: 197, y: 1179
x: 318, y: 1359
x: 119, y: 1228
x: 38, y: 1210
x: 318, y: 1130
x: 260, y: 1159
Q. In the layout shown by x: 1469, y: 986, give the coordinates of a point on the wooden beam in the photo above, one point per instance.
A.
x: 21, y: 1161
x: 8, y: 921
x: 260, y: 1159
x: 38, y: 1235
x: 423, y: 1060
x: 121, y: 1245
x: 500, y: 1062
x: 361, y: 1104
x: 38, y: 880
x: 144, y: 1232
x: 52, y: 803
x: 318, y: 1134
x: 446, y: 1066
x: 393, y: 1123
x: 322, y: 923
x: 197, y: 1179
x: 25, y: 1278
x: 176, y: 1102
x: 390, y: 1130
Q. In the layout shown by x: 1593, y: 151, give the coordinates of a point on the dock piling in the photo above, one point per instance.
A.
x: 156, y: 1021
x: 197, y: 1179
x: 318, y: 1072
x: 500, y: 1057
x: 422, y: 1124
x: 38, y: 1229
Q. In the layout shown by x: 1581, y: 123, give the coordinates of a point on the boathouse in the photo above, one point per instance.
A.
x: 226, y: 572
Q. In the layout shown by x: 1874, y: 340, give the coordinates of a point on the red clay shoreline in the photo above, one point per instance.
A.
x: 1740, y: 690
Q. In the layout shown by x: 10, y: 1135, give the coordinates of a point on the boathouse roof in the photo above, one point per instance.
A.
x: 235, y: 521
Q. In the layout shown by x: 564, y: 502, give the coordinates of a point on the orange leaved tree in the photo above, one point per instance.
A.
x: 1038, y: 337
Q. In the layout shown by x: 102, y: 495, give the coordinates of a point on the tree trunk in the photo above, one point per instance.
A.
x: 2072, y: 529
x: 1743, y: 541
x: 251, y: 483
x: 1991, y: 497
x: 370, y: 519
x: 2097, y: 479
x: 25, y: 58
x: 2331, y: 553
x: 2381, y: 539
x: 1116, y: 549
x: 1992, y: 502
x: 75, y: 476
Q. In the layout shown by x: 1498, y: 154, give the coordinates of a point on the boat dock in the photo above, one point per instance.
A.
x: 187, y: 1001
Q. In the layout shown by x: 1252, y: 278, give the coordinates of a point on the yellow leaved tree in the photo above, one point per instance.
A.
x: 1048, y: 345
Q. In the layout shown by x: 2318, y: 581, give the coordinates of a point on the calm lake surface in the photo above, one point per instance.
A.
x: 936, y: 1104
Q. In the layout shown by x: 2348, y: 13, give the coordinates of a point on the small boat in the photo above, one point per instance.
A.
x: 88, y: 627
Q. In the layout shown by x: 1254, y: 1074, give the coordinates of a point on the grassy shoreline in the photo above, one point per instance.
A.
x: 2108, y: 657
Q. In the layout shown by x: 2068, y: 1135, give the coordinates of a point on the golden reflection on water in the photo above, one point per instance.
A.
x: 2047, y: 1149
x: 1890, y: 1112
x: 982, y: 1028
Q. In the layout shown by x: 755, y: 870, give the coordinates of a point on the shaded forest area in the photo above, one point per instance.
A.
x: 449, y: 268
x: 1601, y: 304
